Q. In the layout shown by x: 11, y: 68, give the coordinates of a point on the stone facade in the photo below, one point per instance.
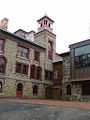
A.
x: 22, y: 85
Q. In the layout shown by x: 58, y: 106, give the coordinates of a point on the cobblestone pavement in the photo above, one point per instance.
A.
x: 26, y: 110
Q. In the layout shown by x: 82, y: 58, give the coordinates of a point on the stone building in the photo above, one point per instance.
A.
x: 57, y: 79
x: 26, y: 61
x: 66, y: 82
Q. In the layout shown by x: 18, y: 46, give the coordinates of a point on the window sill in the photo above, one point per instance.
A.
x: 23, y: 75
x: 23, y: 58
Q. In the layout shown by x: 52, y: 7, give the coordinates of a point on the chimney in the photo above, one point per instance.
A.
x: 4, y: 24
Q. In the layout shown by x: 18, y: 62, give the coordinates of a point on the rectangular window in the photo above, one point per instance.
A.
x: 23, y: 52
x: 48, y: 75
x: 88, y: 59
x: 21, y: 68
x: 51, y: 75
x: 18, y: 67
x: 1, y: 46
x: 37, y: 55
x: 39, y: 73
x: 82, y: 50
x: 33, y: 71
x: 82, y: 61
x: 55, y: 74
x: 25, y: 69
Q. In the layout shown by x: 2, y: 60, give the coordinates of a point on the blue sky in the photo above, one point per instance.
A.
x: 72, y: 18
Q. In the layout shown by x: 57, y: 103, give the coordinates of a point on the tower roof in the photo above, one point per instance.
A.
x: 45, y: 16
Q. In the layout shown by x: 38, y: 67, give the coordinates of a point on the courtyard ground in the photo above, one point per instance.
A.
x: 35, y: 109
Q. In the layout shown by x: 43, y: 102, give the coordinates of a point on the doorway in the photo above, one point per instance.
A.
x: 19, y: 90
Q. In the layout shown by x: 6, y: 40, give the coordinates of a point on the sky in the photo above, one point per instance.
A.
x: 72, y: 18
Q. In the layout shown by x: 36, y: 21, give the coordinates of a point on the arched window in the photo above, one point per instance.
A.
x: 68, y: 89
x: 2, y: 65
x: 35, y: 90
x: 50, y: 50
x: 33, y: 72
x: 0, y: 87
x: 39, y: 73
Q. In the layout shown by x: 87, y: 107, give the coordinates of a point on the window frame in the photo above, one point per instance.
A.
x: 2, y: 46
x: 36, y: 55
x: 20, y: 52
x: 21, y: 69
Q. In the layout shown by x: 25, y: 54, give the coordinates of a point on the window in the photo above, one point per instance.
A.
x: 25, y: 69
x: 86, y: 88
x: 0, y: 87
x: 82, y: 50
x: 1, y: 45
x: 48, y: 75
x: 45, y: 22
x: 56, y: 75
x: 23, y: 52
x: 39, y: 73
x: 33, y: 71
x: 41, y: 24
x: 18, y: 67
x: 2, y: 65
x: 82, y: 61
x: 49, y: 25
x: 36, y: 72
x: 21, y: 68
x: 37, y: 55
x: 50, y: 50
x: 88, y: 59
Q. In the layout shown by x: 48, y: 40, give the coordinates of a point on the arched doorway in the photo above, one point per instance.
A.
x: 68, y: 89
x: 35, y: 90
x: 19, y: 90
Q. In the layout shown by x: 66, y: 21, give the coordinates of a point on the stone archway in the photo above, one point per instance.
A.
x: 19, y: 90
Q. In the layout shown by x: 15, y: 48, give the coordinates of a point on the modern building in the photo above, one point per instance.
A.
x: 80, y: 69
x: 76, y: 72
x: 26, y: 60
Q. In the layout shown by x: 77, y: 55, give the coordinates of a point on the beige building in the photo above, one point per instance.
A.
x: 26, y: 61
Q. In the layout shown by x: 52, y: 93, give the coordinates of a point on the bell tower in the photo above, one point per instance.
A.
x: 45, y: 23
x: 46, y: 38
